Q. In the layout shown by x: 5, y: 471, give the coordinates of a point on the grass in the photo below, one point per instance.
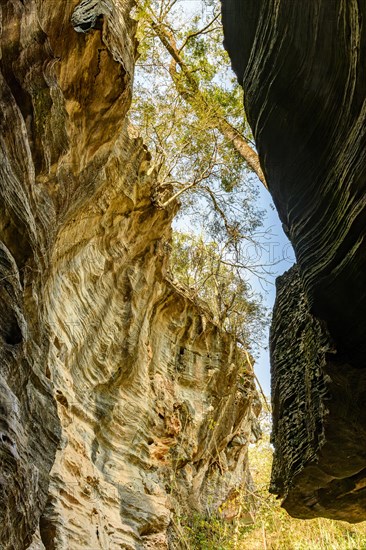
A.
x: 273, y: 528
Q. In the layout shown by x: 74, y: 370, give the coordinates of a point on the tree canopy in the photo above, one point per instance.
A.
x: 189, y: 109
x: 200, y: 267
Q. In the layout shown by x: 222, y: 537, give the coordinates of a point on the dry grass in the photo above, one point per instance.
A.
x: 273, y: 528
x: 280, y: 532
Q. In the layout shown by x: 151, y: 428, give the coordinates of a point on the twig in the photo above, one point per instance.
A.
x: 180, y: 533
x: 264, y: 537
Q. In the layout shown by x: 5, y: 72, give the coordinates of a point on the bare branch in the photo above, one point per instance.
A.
x: 256, y: 379
x: 205, y: 174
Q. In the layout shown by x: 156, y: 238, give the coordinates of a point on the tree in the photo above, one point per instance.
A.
x: 193, y: 74
x: 188, y: 108
x: 200, y: 267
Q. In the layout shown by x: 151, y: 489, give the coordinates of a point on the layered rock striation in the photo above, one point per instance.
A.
x: 302, y: 66
x: 122, y: 403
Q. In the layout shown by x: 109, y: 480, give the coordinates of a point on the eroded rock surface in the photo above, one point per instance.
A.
x: 121, y: 401
x: 319, y: 423
x: 302, y: 66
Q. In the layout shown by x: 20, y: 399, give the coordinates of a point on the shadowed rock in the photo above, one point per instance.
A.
x: 303, y: 69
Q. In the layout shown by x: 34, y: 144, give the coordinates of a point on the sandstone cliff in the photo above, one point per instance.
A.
x: 121, y: 401
x: 302, y: 66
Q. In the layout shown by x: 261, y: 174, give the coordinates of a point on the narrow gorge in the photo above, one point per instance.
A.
x: 123, y: 404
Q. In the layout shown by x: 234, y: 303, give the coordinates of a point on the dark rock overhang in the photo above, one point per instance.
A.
x: 303, y: 69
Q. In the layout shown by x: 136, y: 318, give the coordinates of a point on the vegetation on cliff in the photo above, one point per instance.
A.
x: 189, y: 110
x: 184, y: 98
x: 272, y: 528
x: 200, y: 266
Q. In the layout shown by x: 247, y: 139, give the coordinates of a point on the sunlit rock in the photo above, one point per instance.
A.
x: 121, y: 401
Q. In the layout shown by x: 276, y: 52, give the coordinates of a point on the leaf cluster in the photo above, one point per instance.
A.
x: 202, y: 267
x: 189, y: 151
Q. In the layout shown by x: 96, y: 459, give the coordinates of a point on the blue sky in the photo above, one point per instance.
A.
x: 278, y: 252
x: 275, y: 251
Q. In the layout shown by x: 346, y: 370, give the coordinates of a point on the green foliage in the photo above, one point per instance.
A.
x: 189, y: 151
x: 209, y: 533
x: 272, y: 528
x: 205, y: 268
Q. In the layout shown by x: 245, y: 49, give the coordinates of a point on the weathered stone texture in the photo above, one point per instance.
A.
x: 299, y: 393
x: 302, y: 66
x: 318, y: 402
x: 121, y: 401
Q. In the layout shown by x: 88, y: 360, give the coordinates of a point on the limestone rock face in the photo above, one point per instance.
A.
x: 302, y: 66
x: 121, y: 401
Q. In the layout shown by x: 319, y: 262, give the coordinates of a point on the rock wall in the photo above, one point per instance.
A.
x: 122, y: 403
x: 302, y: 66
